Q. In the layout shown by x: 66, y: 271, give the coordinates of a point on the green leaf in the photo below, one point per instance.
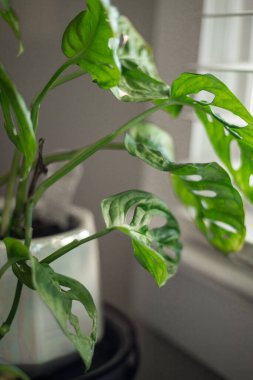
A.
x: 139, y: 79
x: 220, y: 126
x: 51, y: 287
x: 90, y: 41
x: 241, y: 167
x: 149, y: 243
x: 151, y: 144
x: 10, y: 372
x: 9, y: 16
x: 16, y: 249
x: 14, y: 105
x: 205, y: 188
x: 224, y: 105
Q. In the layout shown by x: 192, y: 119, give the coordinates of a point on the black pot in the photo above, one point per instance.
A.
x: 116, y: 356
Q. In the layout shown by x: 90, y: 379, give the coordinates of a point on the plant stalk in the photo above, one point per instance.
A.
x: 37, y: 102
x: 67, y: 78
x: 75, y: 243
x: 7, y: 324
x: 7, y: 209
x: 85, y: 153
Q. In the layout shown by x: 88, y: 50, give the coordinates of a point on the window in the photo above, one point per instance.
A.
x: 226, y: 41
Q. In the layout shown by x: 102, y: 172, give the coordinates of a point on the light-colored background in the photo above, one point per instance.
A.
x: 78, y: 113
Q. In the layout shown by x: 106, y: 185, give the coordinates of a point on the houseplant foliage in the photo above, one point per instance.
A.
x: 104, y: 44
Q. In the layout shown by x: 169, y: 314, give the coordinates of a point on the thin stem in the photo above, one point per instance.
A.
x: 5, y: 267
x: 68, y: 155
x: 9, y: 194
x: 28, y: 224
x: 87, y: 152
x: 7, y: 324
x: 4, y: 178
x: 75, y: 243
x: 20, y: 201
x: 67, y: 78
x: 37, y: 102
x: 63, y: 156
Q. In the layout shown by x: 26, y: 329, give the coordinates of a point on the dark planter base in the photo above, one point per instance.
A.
x: 116, y: 356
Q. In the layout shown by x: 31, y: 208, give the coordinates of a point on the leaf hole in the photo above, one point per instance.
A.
x: 225, y: 226
x: 235, y: 155
x: 192, y: 212
x: 71, y: 328
x: 209, y: 118
x: 226, y: 132
x: 205, y: 193
x: 251, y: 180
x: 229, y: 117
x: 203, y: 96
x: 204, y: 204
x: 157, y: 221
x: 129, y: 215
x: 193, y: 178
x: 206, y: 222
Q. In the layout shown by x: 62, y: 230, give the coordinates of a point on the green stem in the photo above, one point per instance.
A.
x: 63, y: 156
x: 37, y: 102
x: 28, y: 224
x: 68, y: 155
x: 75, y: 243
x: 4, y: 178
x: 67, y: 78
x: 87, y: 152
x: 5, y: 267
x: 21, y: 198
x: 7, y: 324
x: 9, y: 194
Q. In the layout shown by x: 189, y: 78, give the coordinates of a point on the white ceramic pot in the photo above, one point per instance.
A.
x: 35, y: 337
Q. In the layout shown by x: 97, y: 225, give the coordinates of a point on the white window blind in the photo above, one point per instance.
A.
x: 226, y: 50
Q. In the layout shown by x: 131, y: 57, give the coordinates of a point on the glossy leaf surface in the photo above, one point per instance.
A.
x: 9, y: 15
x: 149, y: 243
x: 58, y: 292
x: 13, y: 105
x: 90, y: 40
x: 205, y: 188
x: 139, y: 79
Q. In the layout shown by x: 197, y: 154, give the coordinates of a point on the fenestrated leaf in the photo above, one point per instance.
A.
x: 139, y: 79
x: 149, y: 243
x: 187, y: 85
x: 90, y: 41
x: 240, y: 167
x: 13, y: 104
x: 9, y: 15
x: 151, y: 144
x: 51, y: 287
x: 206, y: 188
x: 220, y: 127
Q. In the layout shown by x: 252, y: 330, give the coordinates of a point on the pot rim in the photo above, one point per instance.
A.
x: 84, y: 229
